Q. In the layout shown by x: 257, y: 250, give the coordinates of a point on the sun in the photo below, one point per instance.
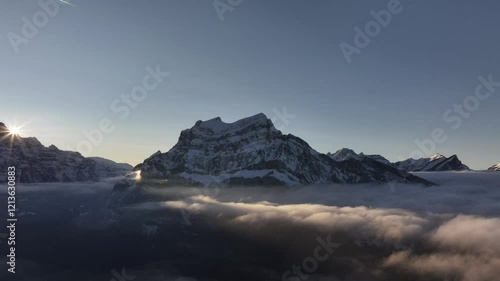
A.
x: 14, y: 130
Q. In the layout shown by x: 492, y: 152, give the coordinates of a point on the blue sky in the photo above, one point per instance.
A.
x: 263, y: 56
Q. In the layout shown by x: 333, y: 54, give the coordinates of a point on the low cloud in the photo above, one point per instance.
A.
x: 388, y: 233
x: 386, y: 225
x: 466, y: 248
x: 469, y: 234
x: 434, y: 234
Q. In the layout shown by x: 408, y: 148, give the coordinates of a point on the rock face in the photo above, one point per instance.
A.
x: 36, y: 163
x: 494, y: 167
x: 437, y: 162
x: 252, y: 151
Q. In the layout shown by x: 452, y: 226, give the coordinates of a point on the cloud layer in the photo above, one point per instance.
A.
x: 384, y: 232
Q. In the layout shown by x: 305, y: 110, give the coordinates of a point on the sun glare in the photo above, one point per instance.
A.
x: 15, y: 130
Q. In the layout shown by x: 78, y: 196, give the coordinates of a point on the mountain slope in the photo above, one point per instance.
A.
x: 437, y: 162
x: 253, y: 151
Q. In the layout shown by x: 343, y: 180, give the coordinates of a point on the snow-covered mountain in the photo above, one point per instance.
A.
x: 36, y: 163
x: 109, y: 168
x: 437, y: 162
x: 253, y: 151
x: 494, y: 167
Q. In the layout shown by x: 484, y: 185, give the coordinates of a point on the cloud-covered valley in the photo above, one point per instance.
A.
x: 381, y: 232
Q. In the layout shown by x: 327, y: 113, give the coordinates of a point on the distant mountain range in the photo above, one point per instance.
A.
x: 252, y: 151
x: 437, y: 162
x: 36, y: 163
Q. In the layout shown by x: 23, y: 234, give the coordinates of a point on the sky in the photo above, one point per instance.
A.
x: 69, y: 74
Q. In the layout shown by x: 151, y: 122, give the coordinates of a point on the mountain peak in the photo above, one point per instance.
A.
x: 345, y: 150
x: 437, y: 156
x: 344, y: 154
x: 216, y: 126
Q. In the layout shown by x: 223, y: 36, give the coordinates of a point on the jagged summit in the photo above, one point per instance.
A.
x: 217, y: 121
x: 216, y: 126
x: 344, y: 154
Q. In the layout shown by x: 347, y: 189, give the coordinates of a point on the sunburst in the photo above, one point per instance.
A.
x: 12, y: 134
x: 15, y: 130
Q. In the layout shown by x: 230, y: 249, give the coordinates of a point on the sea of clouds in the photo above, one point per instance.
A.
x: 381, y: 231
